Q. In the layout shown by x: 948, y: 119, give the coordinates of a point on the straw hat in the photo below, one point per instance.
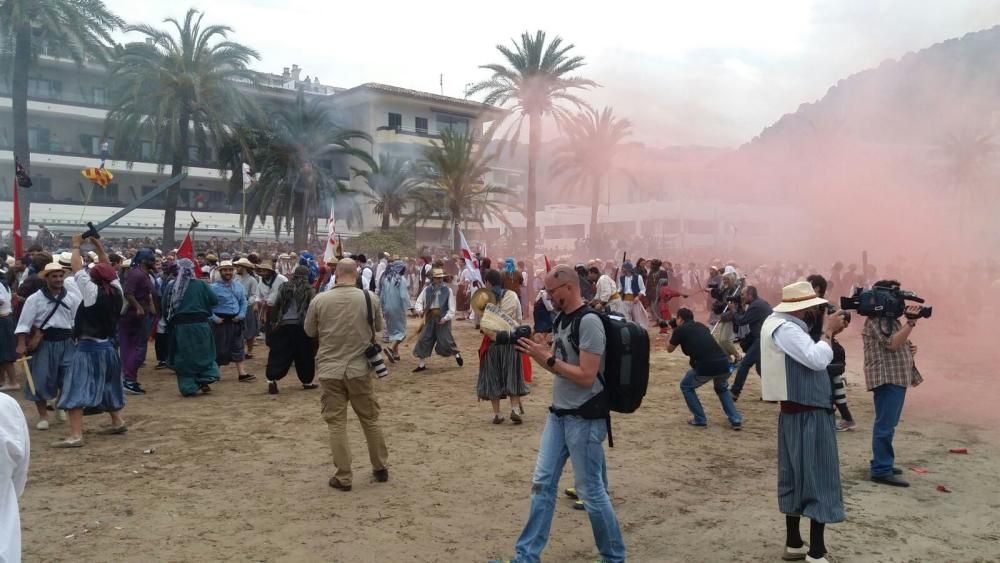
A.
x: 283, y: 256
x: 226, y: 264
x: 126, y: 263
x: 493, y: 320
x: 437, y: 273
x: 211, y: 257
x: 266, y: 265
x: 480, y: 299
x: 798, y: 296
x: 245, y: 263
x: 65, y: 259
x: 49, y: 268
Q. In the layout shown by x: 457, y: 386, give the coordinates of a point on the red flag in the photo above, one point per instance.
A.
x: 18, y: 241
x: 548, y: 267
x: 186, y: 249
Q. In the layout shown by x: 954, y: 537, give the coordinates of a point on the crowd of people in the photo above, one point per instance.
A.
x: 79, y: 319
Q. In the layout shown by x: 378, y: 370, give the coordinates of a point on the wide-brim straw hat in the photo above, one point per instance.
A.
x: 437, y: 273
x: 49, y: 268
x: 226, y: 264
x: 245, y: 263
x: 265, y: 265
x: 798, y: 296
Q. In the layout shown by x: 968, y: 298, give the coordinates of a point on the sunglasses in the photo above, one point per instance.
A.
x: 553, y: 290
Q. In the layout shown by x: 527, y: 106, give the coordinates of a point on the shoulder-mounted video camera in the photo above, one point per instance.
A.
x: 886, y: 302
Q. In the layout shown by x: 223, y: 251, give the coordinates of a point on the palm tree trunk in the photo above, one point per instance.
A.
x: 595, y: 204
x: 176, y: 168
x: 534, y: 149
x: 385, y: 221
x: 22, y: 62
x: 456, y: 240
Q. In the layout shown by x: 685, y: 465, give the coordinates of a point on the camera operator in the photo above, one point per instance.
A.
x: 708, y: 363
x: 724, y: 294
x: 889, y: 371
x: 755, y: 311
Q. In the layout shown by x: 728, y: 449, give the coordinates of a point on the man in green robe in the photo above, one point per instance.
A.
x: 188, y: 304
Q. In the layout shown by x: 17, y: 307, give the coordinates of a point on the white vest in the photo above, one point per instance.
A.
x: 773, y: 370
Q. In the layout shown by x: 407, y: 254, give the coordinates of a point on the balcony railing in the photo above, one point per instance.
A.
x: 63, y: 150
x: 425, y: 133
x: 69, y: 98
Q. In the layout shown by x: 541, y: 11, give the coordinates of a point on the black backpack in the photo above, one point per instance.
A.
x: 626, y: 364
x: 361, y: 276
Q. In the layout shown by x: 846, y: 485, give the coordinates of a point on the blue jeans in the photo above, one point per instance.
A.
x: 751, y: 358
x: 580, y: 441
x: 693, y: 381
x: 888, y: 406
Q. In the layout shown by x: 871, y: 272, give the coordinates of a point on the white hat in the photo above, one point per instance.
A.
x: 730, y: 271
x: 49, y: 268
x: 92, y: 254
x: 65, y: 259
x: 10, y: 261
x: 798, y: 296
x: 226, y: 264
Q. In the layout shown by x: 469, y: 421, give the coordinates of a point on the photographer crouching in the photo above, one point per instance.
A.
x: 889, y: 371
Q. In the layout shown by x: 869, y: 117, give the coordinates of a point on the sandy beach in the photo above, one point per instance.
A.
x: 240, y: 475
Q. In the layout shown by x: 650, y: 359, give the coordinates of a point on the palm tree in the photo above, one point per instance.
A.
x: 967, y: 156
x: 297, y: 168
x: 588, y: 155
x: 453, y: 187
x: 178, y: 91
x: 73, y: 28
x: 536, y: 83
x: 391, y: 183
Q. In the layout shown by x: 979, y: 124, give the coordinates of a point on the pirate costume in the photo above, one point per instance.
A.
x: 503, y: 370
x: 187, y: 303
x: 436, y: 303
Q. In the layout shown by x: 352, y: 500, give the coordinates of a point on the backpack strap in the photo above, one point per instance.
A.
x: 371, y: 313
x: 574, y: 341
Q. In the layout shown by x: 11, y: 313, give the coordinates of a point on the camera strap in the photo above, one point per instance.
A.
x: 371, y: 313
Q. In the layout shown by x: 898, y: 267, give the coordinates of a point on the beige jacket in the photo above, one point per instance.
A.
x: 339, y: 319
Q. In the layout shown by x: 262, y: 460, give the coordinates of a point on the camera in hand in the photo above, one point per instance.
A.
x: 511, y: 336
x: 374, y: 356
x: 887, y: 302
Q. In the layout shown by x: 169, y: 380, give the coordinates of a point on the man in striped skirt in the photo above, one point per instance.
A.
x: 793, y: 371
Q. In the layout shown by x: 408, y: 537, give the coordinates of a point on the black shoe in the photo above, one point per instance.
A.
x: 736, y: 396
x: 272, y: 387
x: 205, y: 388
x: 459, y: 360
x: 890, y: 480
x: 420, y: 369
x: 160, y: 365
x: 310, y: 386
x: 336, y: 484
x: 897, y: 471
x: 246, y: 377
x: 381, y: 475
x: 132, y: 388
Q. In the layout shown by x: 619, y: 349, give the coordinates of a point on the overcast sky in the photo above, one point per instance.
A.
x: 711, y: 72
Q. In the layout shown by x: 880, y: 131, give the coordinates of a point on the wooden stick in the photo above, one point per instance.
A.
x: 27, y: 373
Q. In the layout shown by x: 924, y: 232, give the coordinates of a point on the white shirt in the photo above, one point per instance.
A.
x: 366, y: 276
x: 15, y: 452
x: 4, y: 300
x: 382, y: 265
x: 269, y: 294
x: 251, y: 286
x: 605, y: 288
x: 793, y: 339
x: 419, y: 305
x: 38, y: 306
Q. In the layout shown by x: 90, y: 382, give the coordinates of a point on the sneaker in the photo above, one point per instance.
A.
x: 498, y: 419
x: 459, y: 360
x: 246, y: 377
x: 891, y: 480
x: 42, y: 425
x: 515, y: 417
x: 68, y: 443
x: 737, y: 426
x: 132, y: 388
x: 810, y: 559
x: 308, y: 386
x: 160, y: 365
x: 578, y: 505
x: 272, y: 387
x: 845, y: 425
x: 571, y: 493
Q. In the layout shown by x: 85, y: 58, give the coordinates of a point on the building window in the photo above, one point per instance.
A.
x: 458, y: 125
x: 421, y: 125
x: 38, y: 139
x: 146, y: 152
x: 395, y: 121
x: 44, y: 88
x: 100, y: 96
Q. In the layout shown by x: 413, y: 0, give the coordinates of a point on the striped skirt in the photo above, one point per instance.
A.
x: 809, y: 467
x: 501, y: 374
x: 94, y: 379
x: 50, y: 364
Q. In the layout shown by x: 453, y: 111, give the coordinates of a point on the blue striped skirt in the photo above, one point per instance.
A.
x: 94, y: 379
x: 809, y: 467
x: 50, y: 364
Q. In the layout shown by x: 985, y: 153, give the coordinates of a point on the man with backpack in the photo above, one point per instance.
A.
x: 708, y: 363
x: 577, y: 421
x: 366, y: 276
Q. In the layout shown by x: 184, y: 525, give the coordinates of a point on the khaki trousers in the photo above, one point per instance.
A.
x: 724, y: 336
x: 360, y: 393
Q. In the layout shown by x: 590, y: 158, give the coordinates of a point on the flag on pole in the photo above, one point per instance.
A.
x: 331, y: 238
x: 467, y: 252
x: 18, y: 241
x: 186, y: 249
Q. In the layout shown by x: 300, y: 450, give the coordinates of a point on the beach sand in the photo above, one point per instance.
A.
x: 241, y: 475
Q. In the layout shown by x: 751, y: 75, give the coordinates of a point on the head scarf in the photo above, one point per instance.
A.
x: 394, y: 273
x: 102, y: 274
x: 185, y: 273
x: 509, y: 265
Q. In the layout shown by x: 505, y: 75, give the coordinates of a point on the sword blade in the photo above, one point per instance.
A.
x: 139, y: 202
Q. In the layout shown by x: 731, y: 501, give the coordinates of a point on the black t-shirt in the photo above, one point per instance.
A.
x: 697, y: 342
